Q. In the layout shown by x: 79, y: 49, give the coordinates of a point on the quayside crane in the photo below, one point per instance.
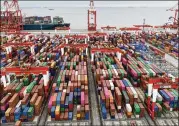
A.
x: 11, y: 17
x: 11, y: 23
x: 175, y: 22
x: 92, y: 17
x: 175, y: 9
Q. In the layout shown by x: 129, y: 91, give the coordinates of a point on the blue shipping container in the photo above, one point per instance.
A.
x: 58, y: 98
x: 70, y: 115
x: 53, y: 112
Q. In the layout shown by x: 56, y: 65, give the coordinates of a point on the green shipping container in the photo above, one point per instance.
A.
x: 122, y: 72
x: 74, y: 65
x: 160, y: 102
x: 59, y: 80
x: 33, y: 76
x: 110, y: 67
x: 175, y: 92
x: 19, y: 87
x: 107, y: 65
x: 126, y: 97
x: 159, y: 114
x: 26, y: 81
x: 62, y: 109
x: 146, y: 95
x: 30, y: 87
x: 136, y: 108
x: 110, y: 74
x: 45, y: 64
x: 30, y: 112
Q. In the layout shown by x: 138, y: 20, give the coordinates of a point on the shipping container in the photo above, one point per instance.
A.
x: 117, y: 96
x: 69, y: 97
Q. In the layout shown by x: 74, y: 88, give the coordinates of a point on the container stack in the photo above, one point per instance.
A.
x: 117, y: 95
x: 168, y: 99
x: 69, y: 97
x: 137, y: 67
x: 166, y: 42
x: 23, y: 101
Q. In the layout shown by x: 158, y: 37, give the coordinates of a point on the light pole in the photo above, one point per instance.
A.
x: 143, y: 23
x: 41, y: 27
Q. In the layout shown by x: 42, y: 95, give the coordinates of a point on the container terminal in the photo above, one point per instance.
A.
x: 125, y: 76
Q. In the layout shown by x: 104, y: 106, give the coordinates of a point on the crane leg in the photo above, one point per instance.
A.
x: 85, y: 40
x: 4, y: 80
x: 62, y: 51
x: 105, y: 38
x: 92, y: 57
x: 32, y: 50
x: 45, y: 76
x: 155, y: 92
x: 86, y: 51
x: 66, y: 40
x: 8, y: 78
x: 118, y: 55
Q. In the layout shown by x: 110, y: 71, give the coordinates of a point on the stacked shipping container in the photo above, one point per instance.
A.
x: 167, y: 100
x: 23, y: 101
x: 30, y: 93
x: 137, y: 68
x: 113, y: 88
x: 69, y: 98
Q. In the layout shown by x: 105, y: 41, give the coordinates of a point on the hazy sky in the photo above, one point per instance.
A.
x: 97, y: 3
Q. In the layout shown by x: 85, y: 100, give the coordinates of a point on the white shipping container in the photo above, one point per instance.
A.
x: 128, y: 108
x: 134, y: 92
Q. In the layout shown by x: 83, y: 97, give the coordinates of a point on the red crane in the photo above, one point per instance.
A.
x: 118, y: 52
x: 92, y: 17
x: 108, y: 28
x: 11, y: 17
x: 154, y: 84
x: 174, y: 8
x: 9, y: 45
x: 25, y: 71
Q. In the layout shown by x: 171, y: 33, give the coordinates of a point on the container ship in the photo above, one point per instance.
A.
x: 43, y: 23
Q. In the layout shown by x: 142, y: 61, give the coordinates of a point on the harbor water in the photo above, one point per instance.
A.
x: 113, y: 16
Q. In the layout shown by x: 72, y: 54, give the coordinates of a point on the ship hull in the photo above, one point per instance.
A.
x: 44, y: 26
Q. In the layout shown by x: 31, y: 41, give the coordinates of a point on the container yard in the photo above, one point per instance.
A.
x: 108, y: 77
x: 84, y: 80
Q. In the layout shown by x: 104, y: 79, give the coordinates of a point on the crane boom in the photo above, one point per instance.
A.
x: 91, y: 4
x: 173, y: 8
x: 11, y: 16
x: 91, y: 17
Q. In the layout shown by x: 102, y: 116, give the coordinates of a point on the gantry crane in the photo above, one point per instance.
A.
x: 117, y: 51
x: 11, y: 17
x: 8, y: 47
x: 113, y: 28
x: 92, y: 17
x: 153, y: 85
x: 84, y: 37
x: 98, y: 34
x: 24, y: 71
